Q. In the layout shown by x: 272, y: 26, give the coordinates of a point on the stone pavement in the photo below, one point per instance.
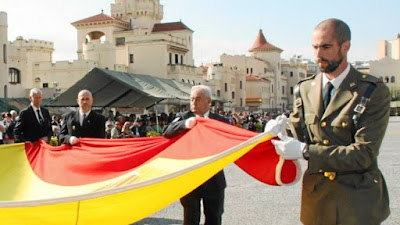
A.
x: 249, y: 202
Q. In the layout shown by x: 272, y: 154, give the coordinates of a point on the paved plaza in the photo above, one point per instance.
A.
x: 249, y: 202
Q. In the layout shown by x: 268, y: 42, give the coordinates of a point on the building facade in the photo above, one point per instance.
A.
x: 133, y: 39
x: 3, y: 54
x: 387, y: 67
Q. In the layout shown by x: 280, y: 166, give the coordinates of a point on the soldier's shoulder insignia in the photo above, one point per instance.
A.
x: 371, y: 79
x: 307, y: 78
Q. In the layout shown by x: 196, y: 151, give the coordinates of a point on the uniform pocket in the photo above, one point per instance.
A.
x: 342, y: 128
x: 311, y: 121
x: 342, y: 122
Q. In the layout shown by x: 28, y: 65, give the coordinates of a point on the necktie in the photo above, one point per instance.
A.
x: 84, y: 117
x: 39, y: 116
x: 327, y: 94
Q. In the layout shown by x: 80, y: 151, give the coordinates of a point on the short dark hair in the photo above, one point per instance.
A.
x: 341, y: 29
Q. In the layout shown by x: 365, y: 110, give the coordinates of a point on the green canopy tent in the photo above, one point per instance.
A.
x: 124, y: 90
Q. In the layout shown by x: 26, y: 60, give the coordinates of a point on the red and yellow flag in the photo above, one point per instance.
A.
x: 120, y: 181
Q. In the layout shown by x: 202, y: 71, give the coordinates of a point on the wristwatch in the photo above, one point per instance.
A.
x: 306, y: 153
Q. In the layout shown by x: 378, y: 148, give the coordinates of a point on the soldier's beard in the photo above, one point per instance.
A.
x: 332, y: 64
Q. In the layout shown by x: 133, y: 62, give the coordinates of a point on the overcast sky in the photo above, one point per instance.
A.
x: 221, y: 26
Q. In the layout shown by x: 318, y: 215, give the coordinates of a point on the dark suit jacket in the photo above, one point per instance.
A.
x: 28, y: 127
x: 177, y: 127
x: 93, y: 126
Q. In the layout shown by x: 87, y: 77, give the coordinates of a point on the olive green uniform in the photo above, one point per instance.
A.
x: 356, y: 193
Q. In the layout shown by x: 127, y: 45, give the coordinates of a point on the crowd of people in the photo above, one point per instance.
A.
x: 123, y: 126
x: 147, y: 125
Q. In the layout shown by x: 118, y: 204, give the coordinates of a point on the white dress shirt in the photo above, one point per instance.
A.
x: 81, y: 116
x: 335, y: 82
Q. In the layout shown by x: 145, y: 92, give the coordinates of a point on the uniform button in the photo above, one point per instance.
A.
x: 323, y: 124
x: 344, y: 124
x: 320, y: 171
x: 364, y: 76
x: 326, y: 142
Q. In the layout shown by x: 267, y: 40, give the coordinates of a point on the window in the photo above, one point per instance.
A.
x: 120, y: 41
x: 392, y: 79
x: 272, y: 88
x: 291, y: 90
x: 131, y: 58
x: 181, y: 59
x: 291, y: 73
x: 14, y: 76
x: 183, y: 80
x: 283, y: 90
x: 45, y: 85
x: 241, y: 85
x: 226, y: 87
x: 247, y: 70
x: 265, y: 70
x: 251, y: 70
x: 233, y: 95
x: 386, y: 79
x: 218, y: 93
x: 241, y: 101
x: 170, y: 58
x: 5, y: 53
x: 176, y: 59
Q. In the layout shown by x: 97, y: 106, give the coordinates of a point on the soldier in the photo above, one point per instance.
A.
x: 340, y: 118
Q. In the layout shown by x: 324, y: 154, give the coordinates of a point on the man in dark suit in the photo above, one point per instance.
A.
x: 212, y: 192
x: 340, y: 117
x: 82, y: 123
x: 34, y: 121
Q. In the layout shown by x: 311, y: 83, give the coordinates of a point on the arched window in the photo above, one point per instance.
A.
x: 386, y: 79
x: 392, y: 79
x: 14, y: 76
x: 233, y: 95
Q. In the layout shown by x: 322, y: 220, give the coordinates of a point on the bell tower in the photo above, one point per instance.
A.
x: 141, y: 14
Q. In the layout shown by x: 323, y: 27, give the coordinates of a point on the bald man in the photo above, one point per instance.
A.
x: 340, y: 117
x: 82, y: 123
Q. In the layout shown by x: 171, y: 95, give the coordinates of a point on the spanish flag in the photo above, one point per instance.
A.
x: 121, y: 181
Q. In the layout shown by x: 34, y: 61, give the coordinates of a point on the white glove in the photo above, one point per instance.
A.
x: 189, y: 123
x: 73, y: 140
x: 276, y: 126
x: 289, y: 148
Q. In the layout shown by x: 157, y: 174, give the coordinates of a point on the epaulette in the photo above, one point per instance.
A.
x: 371, y: 79
x: 307, y: 78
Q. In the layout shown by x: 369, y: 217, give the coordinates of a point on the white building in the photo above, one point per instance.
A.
x: 266, y: 87
x: 133, y: 39
x: 294, y: 70
x: 387, y: 67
